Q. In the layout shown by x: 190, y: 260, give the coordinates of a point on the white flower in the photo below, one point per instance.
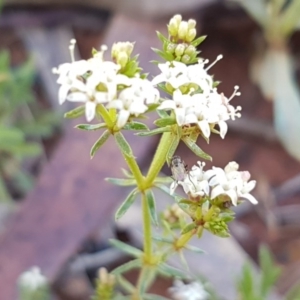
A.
x: 174, y: 73
x: 133, y: 100
x: 178, y: 104
x: 32, y: 279
x: 217, y: 182
x: 196, y: 183
x: 190, y: 291
x: 232, y: 183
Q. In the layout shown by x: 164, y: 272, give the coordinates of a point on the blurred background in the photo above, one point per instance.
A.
x: 56, y: 210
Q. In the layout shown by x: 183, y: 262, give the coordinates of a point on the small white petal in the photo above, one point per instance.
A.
x: 203, y: 125
x: 217, y: 191
x: 123, y: 118
x: 173, y: 187
x: 90, y: 108
x: 223, y: 128
x: 233, y: 196
x: 63, y: 93
x: 167, y: 105
x: 77, y: 97
x: 180, y: 114
x: 250, y: 198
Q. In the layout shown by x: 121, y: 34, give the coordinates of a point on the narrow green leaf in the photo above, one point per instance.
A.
x: 165, y: 122
x: 91, y: 126
x: 196, y: 149
x: 152, y: 206
x: 162, y: 239
x: 126, y: 248
x: 173, y: 147
x: 133, y: 264
x: 194, y: 249
x: 125, y: 284
x: 161, y: 37
x: 10, y: 136
x: 102, y: 139
x: 198, y: 41
x: 164, y: 55
x: 154, y: 131
x: 75, y: 113
x: 162, y: 113
x: 126, y: 173
x: 164, y: 180
x: 121, y: 181
x: 123, y: 145
x: 188, y: 228
x: 169, y: 271
x: 135, y: 126
x: 126, y: 204
x: 146, y: 278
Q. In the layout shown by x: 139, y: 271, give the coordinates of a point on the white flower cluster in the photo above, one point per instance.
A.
x: 32, y: 279
x: 203, y: 105
x: 190, y: 291
x: 227, y: 182
x: 95, y: 81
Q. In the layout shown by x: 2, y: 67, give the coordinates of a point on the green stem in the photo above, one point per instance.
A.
x: 147, y: 229
x: 184, y: 239
x: 159, y: 158
x: 105, y: 115
x: 135, y: 170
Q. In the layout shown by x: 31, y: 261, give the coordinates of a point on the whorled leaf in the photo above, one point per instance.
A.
x: 152, y: 206
x: 123, y: 145
x: 188, y: 228
x: 135, y: 126
x: 100, y: 142
x: 133, y: 264
x: 90, y: 127
x: 169, y: 271
x: 126, y: 248
x: 121, y: 181
x: 198, y: 41
x: 196, y: 149
x: 163, y: 122
x: 154, y: 131
x: 126, y: 204
x: 75, y: 113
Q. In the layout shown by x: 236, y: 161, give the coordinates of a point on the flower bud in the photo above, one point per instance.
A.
x: 191, y: 23
x: 182, y: 30
x: 191, y: 34
x: 173, y: 27
x: 122, y: 59
x: 190, y: 50
x: 171, y: 48
x: 185, y: 58
x: 179, y: 49
x: 125, y: 47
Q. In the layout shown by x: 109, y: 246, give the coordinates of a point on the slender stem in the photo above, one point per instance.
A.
x: 105, y: 115
x: 147, y: 229
x: 135, y: 170
x: 184, y: 239
x: 159, y: 158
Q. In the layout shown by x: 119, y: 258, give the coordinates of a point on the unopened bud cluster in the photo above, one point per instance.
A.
x: 105, y: 285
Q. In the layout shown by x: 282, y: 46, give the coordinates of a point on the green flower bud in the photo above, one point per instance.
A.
x: 185, y: 58
x: 173, y: 27
x: 191, y: 23
x: 191, y: 34
x: 122, y: 59
x: 179, y: 50
x: 178, y: 18
x: 119, y: 47
x: 190, y: 50
x: 171, y: 48
x: 183, y: 30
